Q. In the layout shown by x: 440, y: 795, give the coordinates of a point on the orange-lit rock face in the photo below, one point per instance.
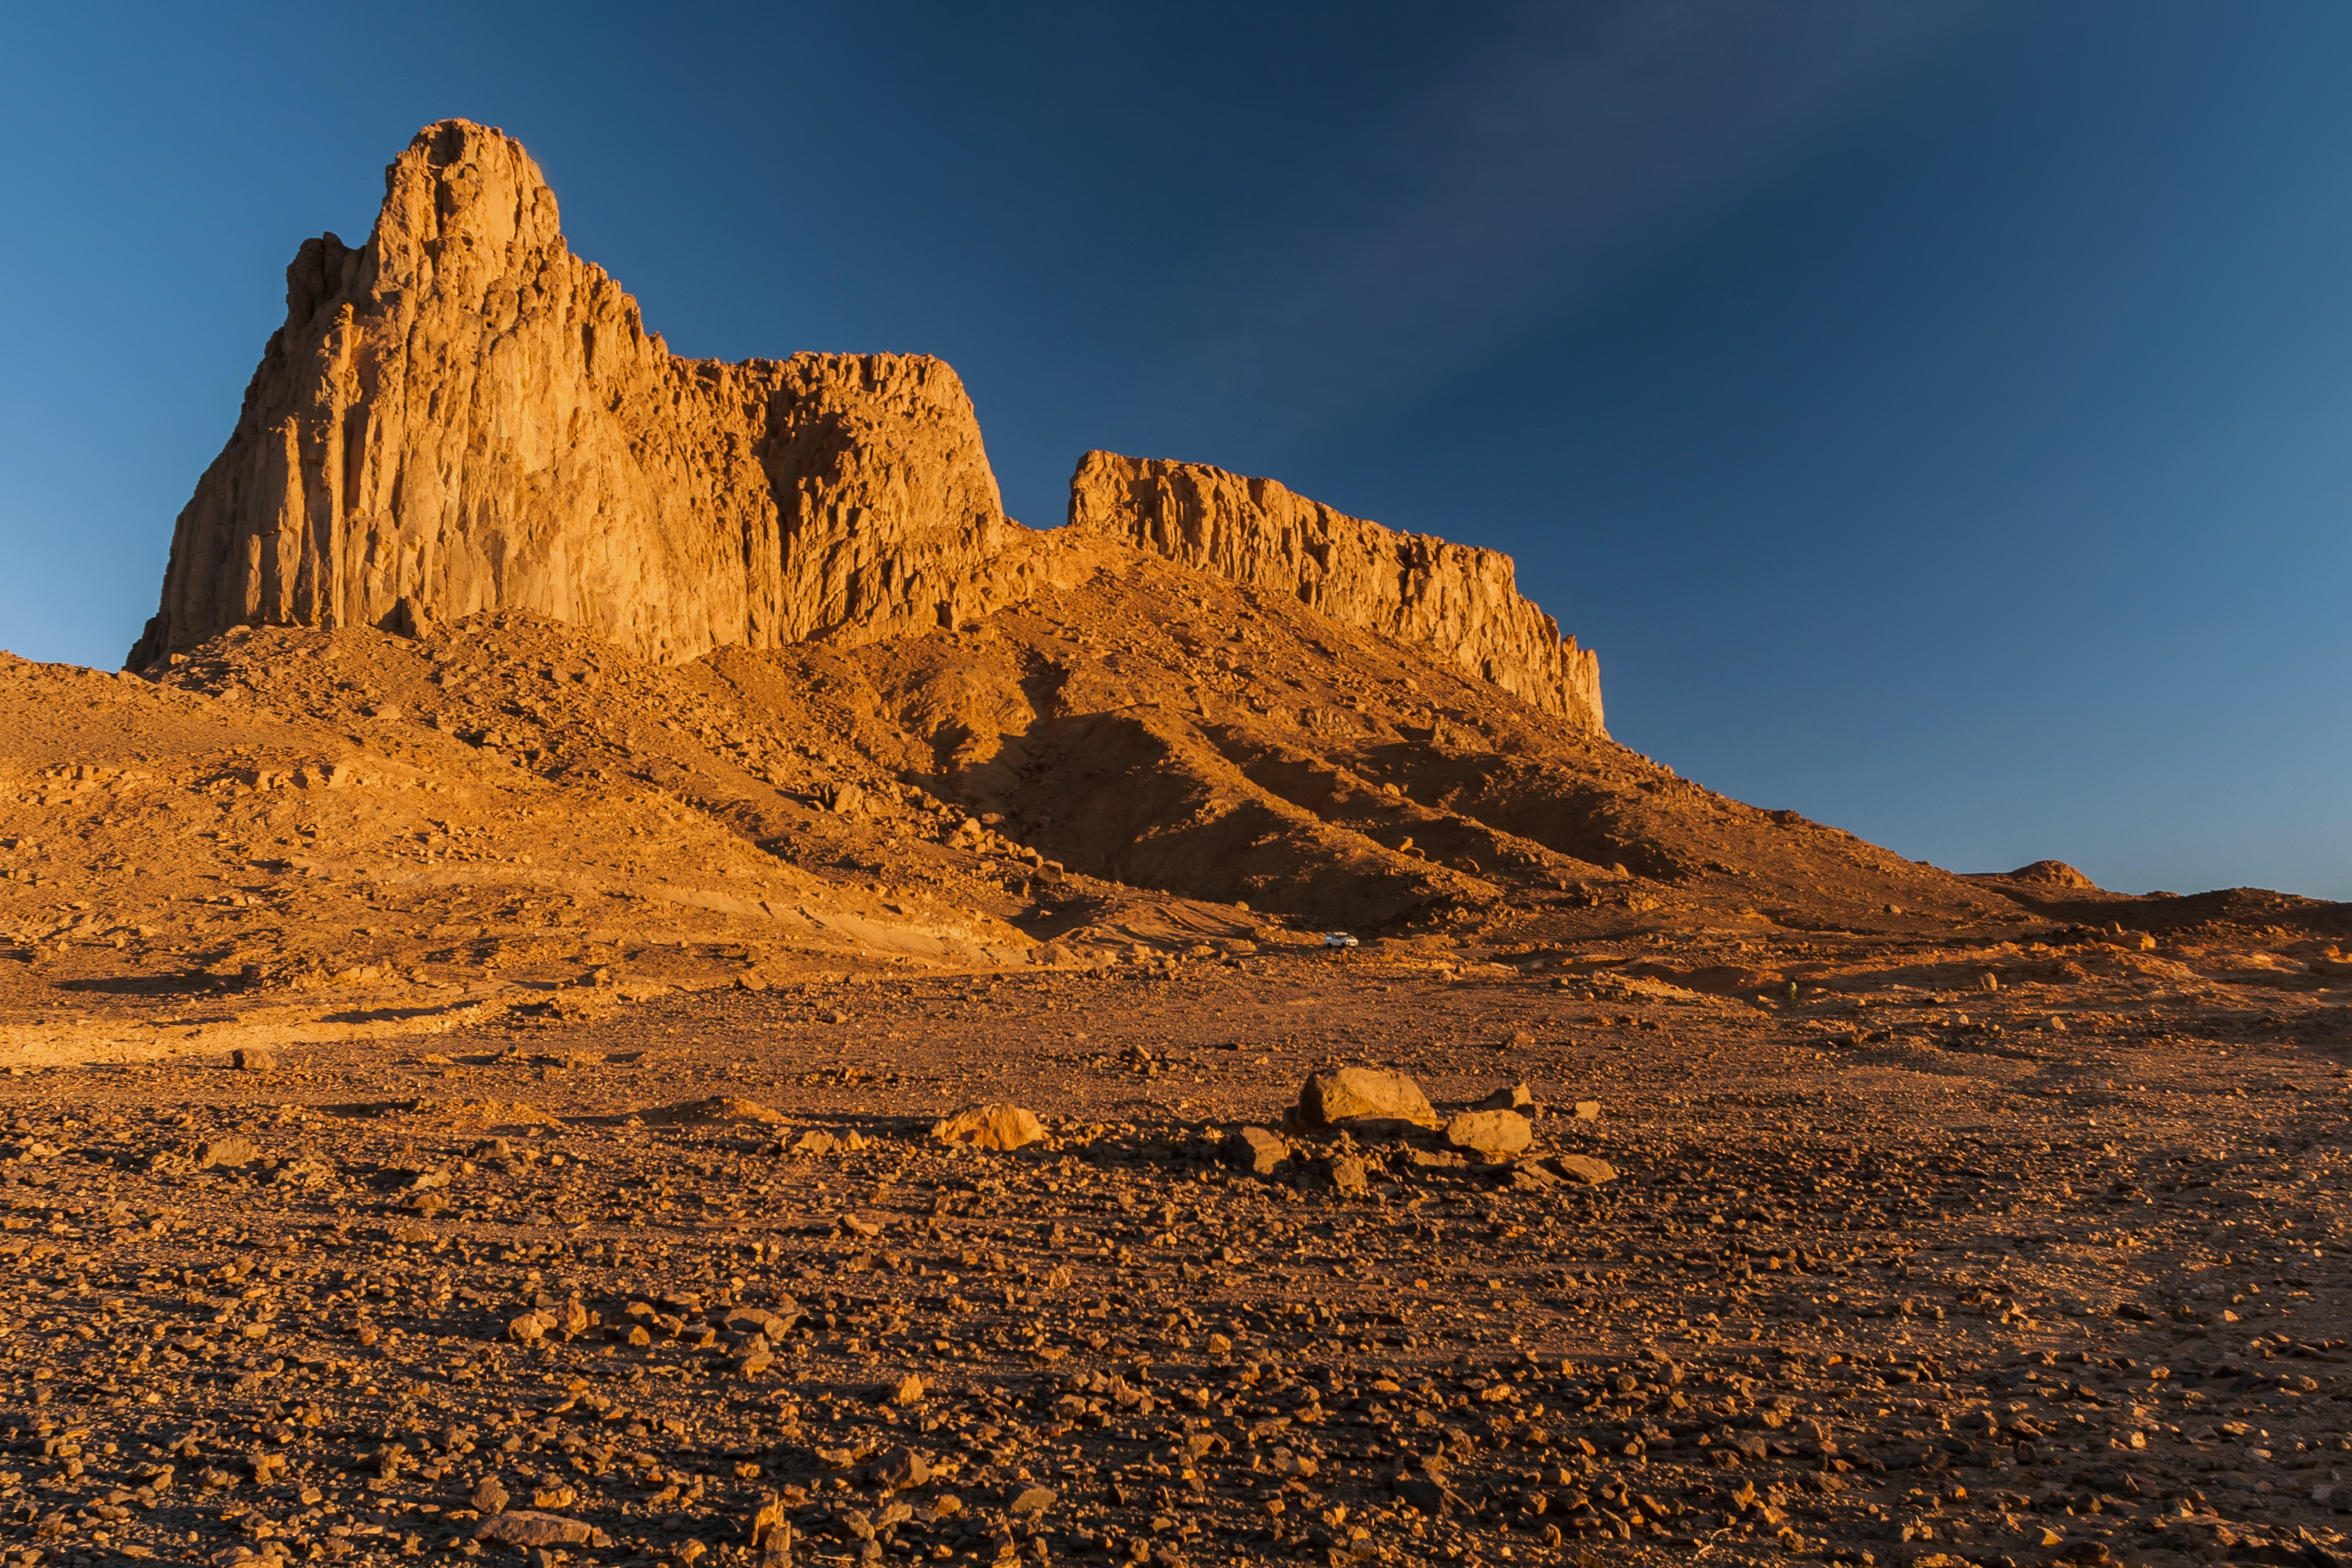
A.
x: 461, y: 416
x: 1459, y: 602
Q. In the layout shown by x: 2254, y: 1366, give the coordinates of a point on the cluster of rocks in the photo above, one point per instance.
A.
x: 1357, y: 1125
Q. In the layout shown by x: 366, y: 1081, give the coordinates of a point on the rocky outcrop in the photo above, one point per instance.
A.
x: 461, y: 416
x: 1458, y: 603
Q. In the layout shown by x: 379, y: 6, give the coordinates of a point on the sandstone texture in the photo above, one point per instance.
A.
x: 461, y: 416
x: 1459, y: 602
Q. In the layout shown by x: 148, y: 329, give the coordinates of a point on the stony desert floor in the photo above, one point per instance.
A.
x: 1889, y: 1270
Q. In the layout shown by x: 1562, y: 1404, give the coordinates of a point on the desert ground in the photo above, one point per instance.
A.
x: 1893, y: 1267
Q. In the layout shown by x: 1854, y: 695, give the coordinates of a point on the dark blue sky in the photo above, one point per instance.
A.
x: 1936, y: 415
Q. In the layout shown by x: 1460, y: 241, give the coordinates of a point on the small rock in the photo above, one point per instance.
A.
x: 232, y: 1150
x: 1031, y: 1501
x: 1256, y: 1150
x: 771, y: 1325
x: 1494, y: 1136
x: 252, y: 1058
x: 1512, y: 1099
x: 832, y: 1015
x: 525, y: 1528
x: 1587, y: 1110
x: 718, y: 1108
x: 1363, y: 1099
x: 488, y: 1497
x: 1432, y: 1498
x: 1348, y: 1174
x: 771, y: 1533
x: 909, y: 1392
x: 1584, y: 1169
x: 990, y: 1127
x: 901, y: 1469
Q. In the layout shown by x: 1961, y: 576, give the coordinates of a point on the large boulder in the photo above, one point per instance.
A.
x: 1361, y: 1099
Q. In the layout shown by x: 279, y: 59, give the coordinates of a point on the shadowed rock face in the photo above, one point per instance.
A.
x: 461, y: 416
x: 1462, y: 604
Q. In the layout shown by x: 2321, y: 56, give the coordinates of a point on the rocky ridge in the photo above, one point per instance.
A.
x: 1462, y: 604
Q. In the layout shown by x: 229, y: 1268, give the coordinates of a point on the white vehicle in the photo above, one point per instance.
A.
x: 1337, y: 939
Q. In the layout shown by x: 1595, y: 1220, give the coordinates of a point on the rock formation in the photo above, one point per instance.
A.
x: 461, y: 416
x: 1458, y: 602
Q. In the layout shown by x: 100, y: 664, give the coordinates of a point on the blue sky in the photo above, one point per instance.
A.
x: 1937, y: 417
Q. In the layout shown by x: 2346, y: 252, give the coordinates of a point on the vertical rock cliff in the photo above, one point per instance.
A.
x: 1461, y: 603
x: 461, y: 416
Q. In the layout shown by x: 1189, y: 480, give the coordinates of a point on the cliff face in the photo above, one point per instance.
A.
x: 1461, y: 603
x: 461, y: 416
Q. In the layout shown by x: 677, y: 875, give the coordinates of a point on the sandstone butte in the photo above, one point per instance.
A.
x: 461, y: 416
x: 1458, y: 602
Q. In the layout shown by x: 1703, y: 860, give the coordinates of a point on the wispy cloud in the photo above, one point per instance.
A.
x: 1521, y: 185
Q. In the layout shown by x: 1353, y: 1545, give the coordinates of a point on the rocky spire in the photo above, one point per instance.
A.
x: 461, y: 416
